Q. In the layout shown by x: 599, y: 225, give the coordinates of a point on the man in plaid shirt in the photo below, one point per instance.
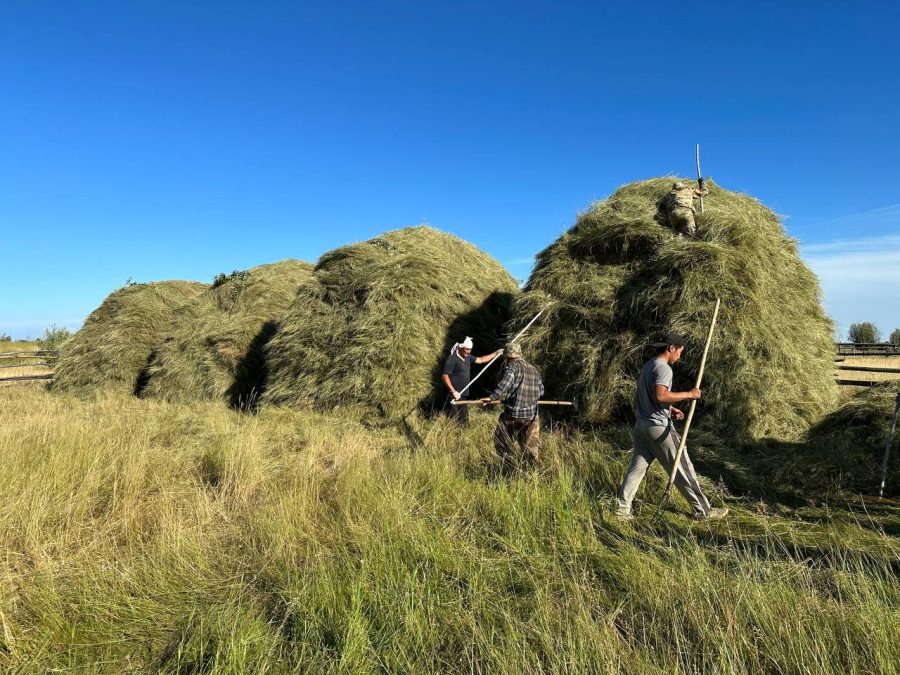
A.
x: 519, y: 424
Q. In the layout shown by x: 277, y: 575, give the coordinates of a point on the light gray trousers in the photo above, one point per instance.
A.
x: 655, y: 441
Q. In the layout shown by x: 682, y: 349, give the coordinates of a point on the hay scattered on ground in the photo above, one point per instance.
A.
x: 117, y: 339
x: 844, y: 450
x: 373, y: 327
x: 621, y: 275
x: 216, y: 348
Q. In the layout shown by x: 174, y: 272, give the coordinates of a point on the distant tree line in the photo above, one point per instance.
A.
x: 868, y: 333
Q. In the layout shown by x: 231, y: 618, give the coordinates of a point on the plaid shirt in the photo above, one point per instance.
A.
x: 521, y: 387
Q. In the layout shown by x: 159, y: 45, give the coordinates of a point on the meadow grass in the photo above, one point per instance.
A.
x: 144, y: 536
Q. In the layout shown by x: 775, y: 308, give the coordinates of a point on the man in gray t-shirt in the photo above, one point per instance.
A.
x: 655, y: 371
x: 654, y: 436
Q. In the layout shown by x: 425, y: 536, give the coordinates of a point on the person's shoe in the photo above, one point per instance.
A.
x: 624, y: 515
x: 712, y: 514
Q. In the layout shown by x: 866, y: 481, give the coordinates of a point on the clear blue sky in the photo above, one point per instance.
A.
x: 164, y: 139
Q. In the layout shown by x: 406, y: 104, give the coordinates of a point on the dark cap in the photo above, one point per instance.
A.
x: 670, y: 339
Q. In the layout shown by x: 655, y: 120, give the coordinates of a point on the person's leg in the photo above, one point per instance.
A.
x: 530, y: 441
x: 641, y: 458
x: 503, y: 444
x: 463, y: 415
x: 682, y: 221
x: 664, y: 448
x: 687, y: 468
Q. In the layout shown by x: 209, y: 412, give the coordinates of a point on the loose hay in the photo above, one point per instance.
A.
x: 845, y: 449
x: 215, y: 350
x: 117, y: 339
x: 621, y: 275
x: 841, y: 453
x: 372, y: 328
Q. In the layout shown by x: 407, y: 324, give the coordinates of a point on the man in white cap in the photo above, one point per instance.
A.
x: 457, y: 375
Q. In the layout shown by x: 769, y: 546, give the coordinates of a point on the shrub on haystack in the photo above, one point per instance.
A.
x: 621, y: 275
x: 374, y: 326
x: 215, y: 350
x: 117, y: 339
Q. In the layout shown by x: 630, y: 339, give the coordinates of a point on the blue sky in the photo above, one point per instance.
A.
x: 164, y: 139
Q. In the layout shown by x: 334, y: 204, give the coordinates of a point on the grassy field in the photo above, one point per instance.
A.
x: 140, y: 536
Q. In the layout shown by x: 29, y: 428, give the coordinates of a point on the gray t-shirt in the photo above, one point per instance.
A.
x: 655, y: 371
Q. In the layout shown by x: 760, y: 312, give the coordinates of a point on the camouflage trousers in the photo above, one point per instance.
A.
x: 518, y: 442
x: 682, y: 221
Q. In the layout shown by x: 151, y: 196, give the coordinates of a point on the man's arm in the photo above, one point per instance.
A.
x: 702, y: 192
x: 488, y: 357
x: 446, y: 378
x: 503, y: 386
x: 663, y: 395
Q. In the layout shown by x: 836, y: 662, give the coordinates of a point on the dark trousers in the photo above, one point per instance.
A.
x: 458, y: 413
x: 517, y: 441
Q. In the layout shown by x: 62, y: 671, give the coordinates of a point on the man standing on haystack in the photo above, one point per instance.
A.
x: 654, y: 436
x: 520, y: 388
x: 458, y: 373
x: 680, y: 207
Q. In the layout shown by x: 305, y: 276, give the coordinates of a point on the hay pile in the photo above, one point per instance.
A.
x: 621, y: 275
x: 374, y: 326
x: 215, y: 350
x: 841, y: 453
x: 117, y: 339
x: 844, y: 450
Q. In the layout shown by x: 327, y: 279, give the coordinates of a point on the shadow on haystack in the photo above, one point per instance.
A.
x: 143, y: 378
x: 251, y: 373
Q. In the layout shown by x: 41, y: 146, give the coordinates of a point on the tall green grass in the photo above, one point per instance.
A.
x: 141, y: 536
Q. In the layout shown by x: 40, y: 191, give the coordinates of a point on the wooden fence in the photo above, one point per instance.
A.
x: 867, y: 349
x: 45, y: 359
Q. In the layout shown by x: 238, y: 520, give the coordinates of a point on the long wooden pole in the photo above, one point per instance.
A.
x: 887, y: 449
x: 518, y: 335
x: 493, y: 402
x: 690, y: 415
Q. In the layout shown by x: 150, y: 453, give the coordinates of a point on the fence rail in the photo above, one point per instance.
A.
x: 869, y: 369
x: 857, y: 383
x: 40, y: 354
x: 25, y: 378
x: 27, y: 365
x: 867, y: 349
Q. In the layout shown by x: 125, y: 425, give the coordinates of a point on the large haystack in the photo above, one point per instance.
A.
x: 112, y: 348
x: 215, y: 350
x: 621, y: 275
x: 373, y: 327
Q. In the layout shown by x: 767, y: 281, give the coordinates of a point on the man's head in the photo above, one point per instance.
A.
x: 464, y: 347
x: 512, y: 351
x: 678, y: 185
x: 669, y: 347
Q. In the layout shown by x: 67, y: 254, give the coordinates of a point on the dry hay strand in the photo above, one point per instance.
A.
x: 215, y: 350
x: 118, y: 338
x: 621, y: 275
x: 373, y: 327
